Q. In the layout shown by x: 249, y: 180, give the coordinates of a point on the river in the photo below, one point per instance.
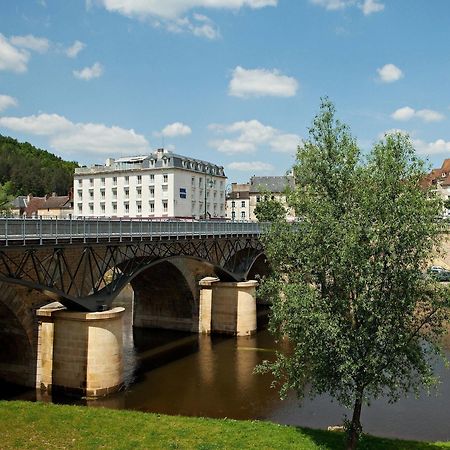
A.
x: 188, y: 374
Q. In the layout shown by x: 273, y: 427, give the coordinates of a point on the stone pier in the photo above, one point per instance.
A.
x: 79, y: 353
x: 227, y: 307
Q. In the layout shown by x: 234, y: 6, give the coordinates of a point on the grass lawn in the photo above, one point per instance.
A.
x: 25, y: 425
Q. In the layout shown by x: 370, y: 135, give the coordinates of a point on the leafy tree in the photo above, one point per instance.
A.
x: 32, y: 170
x: 269, y: 209
x: 447, y: 203
x: 348, y: 287
x: 6, y: 197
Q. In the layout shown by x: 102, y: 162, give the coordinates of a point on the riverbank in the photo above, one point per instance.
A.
x: 26, y: 425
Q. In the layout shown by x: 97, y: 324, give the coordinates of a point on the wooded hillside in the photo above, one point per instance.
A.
x: 32, y: 170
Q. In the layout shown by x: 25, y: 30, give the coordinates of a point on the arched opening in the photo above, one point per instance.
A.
x: 259, y: 269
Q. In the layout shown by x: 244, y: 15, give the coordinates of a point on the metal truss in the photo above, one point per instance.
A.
x: 89, y: 276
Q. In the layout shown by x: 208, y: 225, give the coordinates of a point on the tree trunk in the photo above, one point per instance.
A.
x: 355, y: 425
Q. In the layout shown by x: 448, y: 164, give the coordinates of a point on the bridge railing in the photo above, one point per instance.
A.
x: 23, y: 231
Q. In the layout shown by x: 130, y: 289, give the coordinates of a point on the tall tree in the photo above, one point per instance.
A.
x: 6, y: 197
x: 269, y: 209
x: 348, y: 287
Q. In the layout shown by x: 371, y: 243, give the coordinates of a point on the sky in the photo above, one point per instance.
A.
x: 233, y: 82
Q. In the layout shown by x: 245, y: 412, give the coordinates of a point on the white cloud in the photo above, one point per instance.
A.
x: 432, y: 148
x: 250, y: 135
x: 30, y: 42
x: 403, y: 114
x: 11, y: 58
x: 367, y: 6
x: 261, y: 82
x: 389, y: 73
x: 408, y: 113
x: 172, y: 9
x: 428, y: 115
x: 253, y: 166
x: 78, y: 138
x: 172, y: 13
x: 74, y: 49
x: 333, y: 5
x: 7, y: 101
x: 371, y: 6
x: 88, y: 73
x: 175, y: 129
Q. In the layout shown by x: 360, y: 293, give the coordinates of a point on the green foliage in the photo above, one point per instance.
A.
x: 447, y: 203
x: 6, y: 196
x: 348, y: 287
x: 269, y: 209
x: 31, y: 170
x: 27, y: 425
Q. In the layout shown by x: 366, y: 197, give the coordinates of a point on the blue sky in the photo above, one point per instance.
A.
x: 235, y: 82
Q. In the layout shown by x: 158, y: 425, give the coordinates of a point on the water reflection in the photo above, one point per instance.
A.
x: 189, y: 374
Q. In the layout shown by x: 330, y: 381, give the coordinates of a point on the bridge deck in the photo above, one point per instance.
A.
x: 44, y: 231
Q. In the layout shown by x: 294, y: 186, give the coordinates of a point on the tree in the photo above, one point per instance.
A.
x: 269, y: 209
x: 348, y: 288
x: 6, y: 197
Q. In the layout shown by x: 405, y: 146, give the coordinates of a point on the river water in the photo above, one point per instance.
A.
x: 188, y: 374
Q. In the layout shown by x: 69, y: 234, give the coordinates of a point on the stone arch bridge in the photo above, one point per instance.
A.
x: 188, y: 275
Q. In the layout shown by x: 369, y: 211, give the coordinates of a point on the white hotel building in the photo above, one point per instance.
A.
x: 162, y: 184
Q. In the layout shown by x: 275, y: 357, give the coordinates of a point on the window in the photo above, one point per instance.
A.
x: 127, y: 180
x: 242, y: 214
x: 164, y: 188
x: 102, y: 181
x: 233, y: 204
x: 127, y: 208
x: 258, y: 199
x: 114, y: 193
x: 102, y: 207
x: 126, y: 192
x: 91, y: 208
x: 165, y: 178
x: 200, y: 182
x: 165, y: 207
x: 152, y: 207
x: 102, y: 193
x: 114, y: 181
x: 80, y: 208
x: 91, y: 194
x: 243, y: 204
x: 80, y: 193
x: 139, y: 192
x: 233, y: 215
x: 152, y: 192
x: 114, y: 205
x: 139, y: 179
x: 193, y: 181
x: 152, y: 178
x: 91, y: 182
x: 80, y: 182
x: 139, y: 207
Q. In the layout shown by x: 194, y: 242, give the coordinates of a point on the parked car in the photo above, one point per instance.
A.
x: 439, y: 273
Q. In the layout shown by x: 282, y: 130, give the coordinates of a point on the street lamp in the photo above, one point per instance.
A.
x: 210, y: 185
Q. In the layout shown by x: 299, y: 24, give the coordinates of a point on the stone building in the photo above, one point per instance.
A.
x: 162, y: 184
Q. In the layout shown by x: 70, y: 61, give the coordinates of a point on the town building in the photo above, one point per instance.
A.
x: 243, y: 198
x: 238, y: 202
x: 440, y: 180
x: 162, y: 184
x: 60, y: 206
x: 274, y: 186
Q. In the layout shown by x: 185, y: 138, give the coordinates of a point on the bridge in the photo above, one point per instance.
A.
x: 185, y: 274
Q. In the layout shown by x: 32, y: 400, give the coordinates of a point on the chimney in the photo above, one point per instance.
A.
x: 47, y: 196
x: 29, y: 197
x: 53, y: 194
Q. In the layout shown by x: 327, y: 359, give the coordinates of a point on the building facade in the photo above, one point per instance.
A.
x: 238, y: 202
x: 162, y: 184
x: 275, y: 186
x: 52, y: 205
x: 440, y: 180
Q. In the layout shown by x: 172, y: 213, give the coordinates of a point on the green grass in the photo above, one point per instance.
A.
x: 25, y: 425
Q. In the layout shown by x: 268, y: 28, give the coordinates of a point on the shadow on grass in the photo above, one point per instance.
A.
x: 335, y: 440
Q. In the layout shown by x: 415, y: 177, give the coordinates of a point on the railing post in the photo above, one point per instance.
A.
x: 23, y: 230
x: 56, y: 230
x: 120, y: 229
x: 6, y: 231
x: 84, y: 229
x: 97, y: 230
